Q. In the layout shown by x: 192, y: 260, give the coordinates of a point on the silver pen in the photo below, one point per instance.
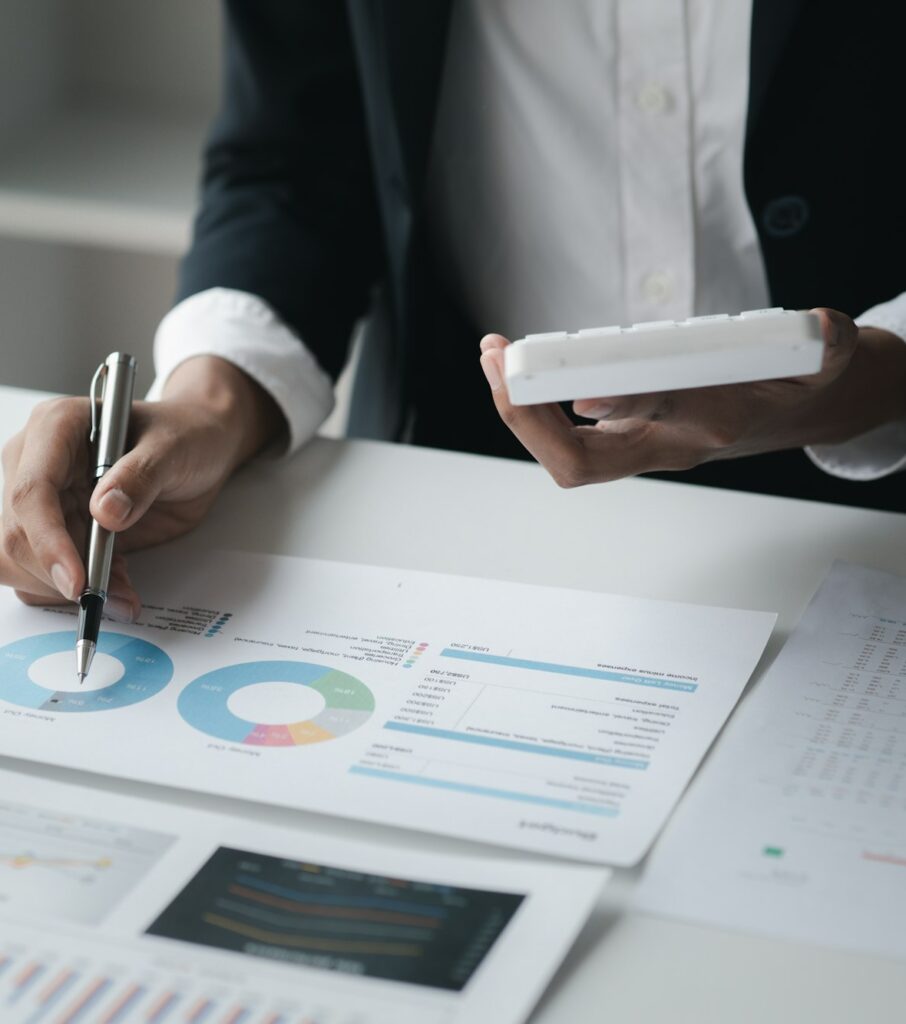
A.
x: 111, y: 403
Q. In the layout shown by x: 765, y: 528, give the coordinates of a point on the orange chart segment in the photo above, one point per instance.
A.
x: 308, y: 732
x: 348, y: 703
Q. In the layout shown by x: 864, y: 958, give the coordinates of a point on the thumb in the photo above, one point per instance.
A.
x: 129, y: 488
x: 840, y: 338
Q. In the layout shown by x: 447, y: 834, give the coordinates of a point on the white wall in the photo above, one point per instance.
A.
x: 103, y: 109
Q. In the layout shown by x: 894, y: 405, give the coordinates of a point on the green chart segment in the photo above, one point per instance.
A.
x: 146, y: 671
x: 204, y: 703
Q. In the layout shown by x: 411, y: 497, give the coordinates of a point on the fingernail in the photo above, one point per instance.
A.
x: 489, y: 342
x: 491, y: 372
x: 62, y: 581
x: 833, y: 335
x: 117, y: 609
x: 116, y: 504
x: 598, y: 412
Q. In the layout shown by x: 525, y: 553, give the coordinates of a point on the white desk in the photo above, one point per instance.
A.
x: 420, y: 509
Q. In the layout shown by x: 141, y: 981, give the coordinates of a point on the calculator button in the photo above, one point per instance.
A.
x: 550, y: 336
x: 653, y: 325
x: 707, y: 319
x: 597, y: 332
x: 750, y: 314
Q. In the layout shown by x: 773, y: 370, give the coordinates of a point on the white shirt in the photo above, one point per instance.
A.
x: 586, y: 170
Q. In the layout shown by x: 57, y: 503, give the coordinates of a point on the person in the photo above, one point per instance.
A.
x: 446, y: 165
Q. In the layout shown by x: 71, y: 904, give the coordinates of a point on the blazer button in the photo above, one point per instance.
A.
x: 785, y: 216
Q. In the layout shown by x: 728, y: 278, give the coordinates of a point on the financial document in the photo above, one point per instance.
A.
x: 797, y: 825
x: 123, y: 911
x: 532, y: 717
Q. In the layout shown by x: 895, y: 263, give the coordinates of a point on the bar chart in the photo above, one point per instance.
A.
x: 46, y: 982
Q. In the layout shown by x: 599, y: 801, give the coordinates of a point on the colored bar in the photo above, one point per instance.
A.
x: 26, y: 977
x: 200, y: 1011
x: 884, y: 858
x: 163, y: 1006
x: 125, y: 1003
x: 528, y: 748
x: 569, y: 670
x: 85, y: 1001
x: 329, y: 900
x: 57, y: 987
x: 502, y: 794
x: 239, y: 1014
x: 52, y: 994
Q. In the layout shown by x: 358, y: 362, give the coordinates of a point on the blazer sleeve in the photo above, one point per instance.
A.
x: 288, y: 210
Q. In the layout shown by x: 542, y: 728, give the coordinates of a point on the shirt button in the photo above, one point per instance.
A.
x: 785, y: 216
x: 653, y: 99
x: 657, y: 287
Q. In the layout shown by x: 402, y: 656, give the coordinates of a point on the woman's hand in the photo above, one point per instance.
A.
x: 861, y: 385
x: 211, y: 418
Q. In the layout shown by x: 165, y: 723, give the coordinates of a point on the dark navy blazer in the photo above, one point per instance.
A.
x: 313, y: 192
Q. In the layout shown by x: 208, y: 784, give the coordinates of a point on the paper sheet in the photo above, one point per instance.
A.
x: 532, y: 717
x: 797, y: 825
x: 114, y: 911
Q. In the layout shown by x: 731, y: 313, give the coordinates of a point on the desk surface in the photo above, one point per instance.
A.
x: 359, y: 501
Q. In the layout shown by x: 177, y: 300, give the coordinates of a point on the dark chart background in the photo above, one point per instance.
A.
x: 338, y: 920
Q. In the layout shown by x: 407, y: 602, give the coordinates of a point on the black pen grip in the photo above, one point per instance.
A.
x: 91, y: 608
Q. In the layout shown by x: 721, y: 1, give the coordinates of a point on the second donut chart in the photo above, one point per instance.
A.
x: 204, y: 703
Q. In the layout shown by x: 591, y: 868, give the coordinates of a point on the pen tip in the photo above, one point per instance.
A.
x: 81, y: 676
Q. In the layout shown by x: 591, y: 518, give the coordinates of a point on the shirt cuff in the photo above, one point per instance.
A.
x: 244, y: 330
x: 881, y: 451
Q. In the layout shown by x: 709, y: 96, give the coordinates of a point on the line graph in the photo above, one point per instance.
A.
x: 69, y: 867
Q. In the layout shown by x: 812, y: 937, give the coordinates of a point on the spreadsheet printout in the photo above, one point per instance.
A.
x: 796, y: 827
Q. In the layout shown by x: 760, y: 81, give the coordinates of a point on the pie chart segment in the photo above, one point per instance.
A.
x: 146, y: 671
x: 348, y: 703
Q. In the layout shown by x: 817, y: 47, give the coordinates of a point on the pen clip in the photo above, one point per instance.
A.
x: 96, y: 381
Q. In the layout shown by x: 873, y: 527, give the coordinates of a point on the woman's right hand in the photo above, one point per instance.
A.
x: 212, y: 417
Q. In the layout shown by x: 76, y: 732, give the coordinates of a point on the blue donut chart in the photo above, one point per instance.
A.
x: 147, y: 671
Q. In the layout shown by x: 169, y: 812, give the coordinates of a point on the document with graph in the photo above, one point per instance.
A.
x: 533, y: 717
x: 119, y: 911
x: 797, y: 825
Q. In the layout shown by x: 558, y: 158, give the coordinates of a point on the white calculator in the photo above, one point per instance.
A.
x: 663, y: 355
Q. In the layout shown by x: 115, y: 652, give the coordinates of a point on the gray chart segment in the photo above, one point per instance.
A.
x: 340, y: 721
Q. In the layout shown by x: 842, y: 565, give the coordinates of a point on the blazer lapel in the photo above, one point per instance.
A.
x: 772, y: 22
x: 401, y: 47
